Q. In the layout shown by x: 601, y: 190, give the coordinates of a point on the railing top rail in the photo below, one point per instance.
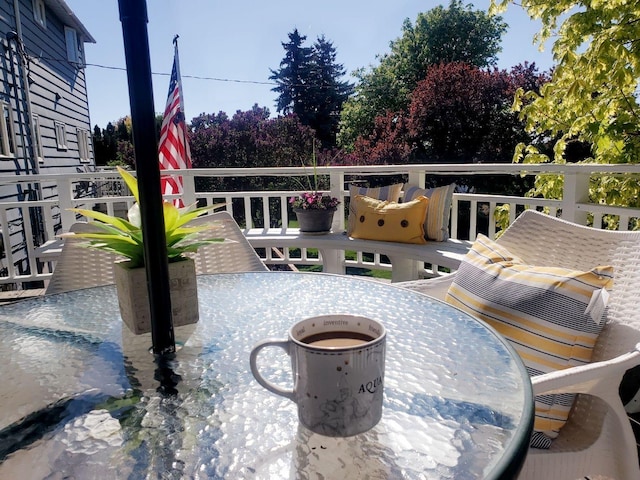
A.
x: 433, y: 169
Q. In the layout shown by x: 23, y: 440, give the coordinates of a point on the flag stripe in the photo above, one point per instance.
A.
x: 173, y: 151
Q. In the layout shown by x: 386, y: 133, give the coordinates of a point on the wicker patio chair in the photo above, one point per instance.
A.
x: 81, y: 267
x: 598, y: 439
x: 235, y: 254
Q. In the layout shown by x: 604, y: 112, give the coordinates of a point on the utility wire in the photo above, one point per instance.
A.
x: 197, y: 77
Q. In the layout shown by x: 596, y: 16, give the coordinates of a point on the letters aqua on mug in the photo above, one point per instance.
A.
x: 337, y: 363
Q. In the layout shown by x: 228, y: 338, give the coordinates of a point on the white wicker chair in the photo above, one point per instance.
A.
x: 80, y: 267
x: 235, y: 254
x: 598, y: 439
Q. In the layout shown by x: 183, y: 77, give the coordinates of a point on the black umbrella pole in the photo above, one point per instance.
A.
x: 133, y: 15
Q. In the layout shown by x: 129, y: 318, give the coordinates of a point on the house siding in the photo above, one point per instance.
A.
x: 38, y: 79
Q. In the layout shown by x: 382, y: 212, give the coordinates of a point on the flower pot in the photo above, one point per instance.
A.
x: 314, y: 220
x: 133, y: 297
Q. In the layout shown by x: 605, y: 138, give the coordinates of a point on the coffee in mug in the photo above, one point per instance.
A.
x: 338, y: 372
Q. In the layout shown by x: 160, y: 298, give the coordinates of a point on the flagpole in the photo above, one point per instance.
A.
x: 177, y: 60
x: 133, y: 16
x: 173, y: 149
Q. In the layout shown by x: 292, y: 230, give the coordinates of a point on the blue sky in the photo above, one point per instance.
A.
x: 237, y: 42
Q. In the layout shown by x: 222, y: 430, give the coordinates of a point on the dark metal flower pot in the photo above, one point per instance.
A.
x: 314, y: 221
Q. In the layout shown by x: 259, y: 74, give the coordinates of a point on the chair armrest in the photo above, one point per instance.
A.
x: 599, y: 378
x: 434, y: 287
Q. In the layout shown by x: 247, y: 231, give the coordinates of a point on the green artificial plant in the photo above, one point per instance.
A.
x: 124, y: 237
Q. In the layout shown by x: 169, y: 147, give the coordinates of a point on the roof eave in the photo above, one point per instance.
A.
x: 64, y: 12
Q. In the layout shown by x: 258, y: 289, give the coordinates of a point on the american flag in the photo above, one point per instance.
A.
x: 174, y: 147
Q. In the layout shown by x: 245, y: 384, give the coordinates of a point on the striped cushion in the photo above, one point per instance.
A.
x: 547, y: 314
x: 388, y: 192
x: 436, y: 225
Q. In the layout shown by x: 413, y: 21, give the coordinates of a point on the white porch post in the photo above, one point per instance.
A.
x: 575, y: 192
x: 333, y: 260
x: 65, y: 201
x: 188, y: 189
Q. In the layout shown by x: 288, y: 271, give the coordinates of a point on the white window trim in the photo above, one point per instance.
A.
x: 40, y: 13
x: 83, y: 145
x: 61, y: 135
x: 8, y: 140
x: 74, y: 54
x: 37, y: 139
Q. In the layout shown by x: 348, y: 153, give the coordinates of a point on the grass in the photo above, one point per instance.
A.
x: 313, y: 253
x: 350, y: 255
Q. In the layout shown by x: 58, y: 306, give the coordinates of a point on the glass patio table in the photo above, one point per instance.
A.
x: 83, y: 398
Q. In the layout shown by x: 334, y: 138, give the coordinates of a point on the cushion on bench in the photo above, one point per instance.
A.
x: 437, y: 222
x: 390, y: 221
x: 389, y: 192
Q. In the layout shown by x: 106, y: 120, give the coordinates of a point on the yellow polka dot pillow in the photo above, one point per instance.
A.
x: 552, y: 316
x: 436, y: 225
x: 389, y: 221
x: 390, y: 193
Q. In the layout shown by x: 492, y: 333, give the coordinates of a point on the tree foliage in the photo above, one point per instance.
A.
x: 388, y: 144
x: 309, y: 85
x: 593, y: 93
x: 113, y: 145
x: 252, y: 139
x: 458, y: 113
x: 442, y: 35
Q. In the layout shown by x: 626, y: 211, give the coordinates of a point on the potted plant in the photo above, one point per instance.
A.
x: 124, y: 237
x: 314, y: 210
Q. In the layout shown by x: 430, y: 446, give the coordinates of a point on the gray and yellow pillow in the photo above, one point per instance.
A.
x: 552, y: 316
x: 389, y: 221
x: 437, y: 221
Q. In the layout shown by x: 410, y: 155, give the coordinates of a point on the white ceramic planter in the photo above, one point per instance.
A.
x: 133, y: 297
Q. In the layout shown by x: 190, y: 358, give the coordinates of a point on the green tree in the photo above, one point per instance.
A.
x: 593, y: 93
x: 309, y: 85
x: 326, y: 91
x: 292, y: 77
x: 113, y: 145
x: 441, y: 35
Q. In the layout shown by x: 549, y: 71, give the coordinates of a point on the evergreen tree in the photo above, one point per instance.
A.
x: 327, y: 92
x: 292, y: 77
x: 309, y: 85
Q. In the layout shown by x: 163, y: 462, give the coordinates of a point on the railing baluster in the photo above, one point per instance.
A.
x: 574, y: 206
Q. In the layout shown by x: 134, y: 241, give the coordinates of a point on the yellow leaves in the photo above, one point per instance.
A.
x: 593, y: 94
x: 131, y: 182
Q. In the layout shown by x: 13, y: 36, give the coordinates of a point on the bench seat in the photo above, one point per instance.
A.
x: 404, y: 257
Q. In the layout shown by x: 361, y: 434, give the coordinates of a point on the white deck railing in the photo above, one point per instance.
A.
x: 20, y: 221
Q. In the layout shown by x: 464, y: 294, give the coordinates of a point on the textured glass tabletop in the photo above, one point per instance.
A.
x: 82, y: 397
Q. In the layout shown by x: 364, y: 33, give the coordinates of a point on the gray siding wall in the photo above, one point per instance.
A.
x: 57, y: 93
x: 57, y: 89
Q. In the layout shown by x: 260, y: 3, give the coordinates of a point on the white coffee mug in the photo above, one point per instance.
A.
x: 338, y: 372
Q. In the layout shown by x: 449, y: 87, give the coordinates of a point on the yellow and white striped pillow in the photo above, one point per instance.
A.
x: 545, y: 312
x: 436, y: 225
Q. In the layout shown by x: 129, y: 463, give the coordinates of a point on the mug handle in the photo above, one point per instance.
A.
x: 284, y: 344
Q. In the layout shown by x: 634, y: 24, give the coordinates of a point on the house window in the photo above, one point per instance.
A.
x: 83, y: 145
x: 61, y: 135
x: 74, y: 54
x: 7, y: 135
x: 39, y: 13
x: 37, y: 140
